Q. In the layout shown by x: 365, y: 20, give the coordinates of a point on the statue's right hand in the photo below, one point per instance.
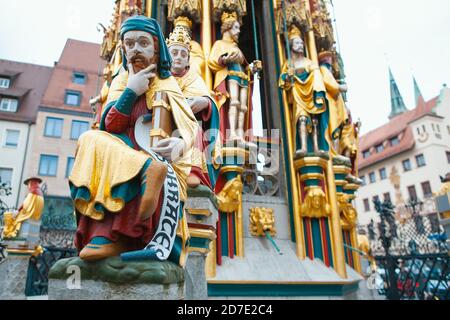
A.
x: 139, y: 82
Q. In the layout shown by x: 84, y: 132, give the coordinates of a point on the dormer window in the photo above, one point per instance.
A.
x: 394, y: 141
x: 5, y: 83
x: 380, y: 148
x: 79, y: 78
x: 366, y: 154
x: 9, y: 104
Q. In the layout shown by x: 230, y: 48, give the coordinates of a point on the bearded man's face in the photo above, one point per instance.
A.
x: 139, y: 49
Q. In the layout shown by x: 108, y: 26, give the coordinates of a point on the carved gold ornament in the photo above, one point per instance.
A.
x: 229, y: 198
x: 262, y: 220
x: 315, y: 205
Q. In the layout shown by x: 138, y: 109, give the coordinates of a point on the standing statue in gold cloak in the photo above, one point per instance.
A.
x: 231, y: 83
x: 204, y: 169
x: 303, y: 81
x: 338, y: 112
x: 128, y: 198
x: 31, y: 209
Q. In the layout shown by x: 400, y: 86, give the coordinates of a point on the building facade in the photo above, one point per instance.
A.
x: 63, y: 115
x: 405, y: 158
x: 22, y: 86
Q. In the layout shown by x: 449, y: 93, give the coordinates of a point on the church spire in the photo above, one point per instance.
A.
x: 417, y: 93
x: 397, y: 104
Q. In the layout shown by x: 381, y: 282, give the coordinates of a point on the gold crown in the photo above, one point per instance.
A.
x: 180, y: 36
x: 294, y: 32
x: 229, y: 17
x: 183, y: 21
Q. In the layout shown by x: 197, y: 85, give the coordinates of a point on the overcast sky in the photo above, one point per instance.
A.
x: 412, y: 36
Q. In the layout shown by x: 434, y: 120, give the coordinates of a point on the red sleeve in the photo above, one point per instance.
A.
x: 116, y: 122
x: 206, y: 113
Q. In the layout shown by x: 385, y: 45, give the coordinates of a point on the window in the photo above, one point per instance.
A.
x: 406, y: 165
x: 383, y: 174
x: 424, y: 129
x: 387, y: 197
x: 78, y: 128
x: 73, y: 98
x: 70, y: 162
x: 448, y: 156
x: 366, y: 205
x: 12, y: 138
x: 412, y: 192
x: 79, y: 78
x: 48, y: 165
x: 9, y: 105
x: 394, y: 141
x: 375, y: 199
x: 6, y: 175
x: 432, y: 127
x: 426, y: 188
x: 5, y: 83
x: 372, y: 177
x: 420, y: 159
x: 380, y: 148
x: 363, y: 179
x: 53, y: 127
x: 366, y: 154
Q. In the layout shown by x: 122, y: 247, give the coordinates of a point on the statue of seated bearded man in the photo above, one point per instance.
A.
x: 129, y: 201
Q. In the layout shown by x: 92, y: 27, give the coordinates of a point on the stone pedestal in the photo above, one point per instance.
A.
x: 202, y: 215
x: 113, y: 279
x: 13, y: 276
x: 196, y: 286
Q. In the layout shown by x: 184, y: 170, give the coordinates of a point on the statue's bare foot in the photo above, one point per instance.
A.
x: 193, y: 181
x: 155, y: 174
x: 95, y: 252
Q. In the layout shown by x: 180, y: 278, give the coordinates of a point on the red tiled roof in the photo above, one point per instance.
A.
x: 396, y: 127
x: 77, y: 56
x: 28, y: 84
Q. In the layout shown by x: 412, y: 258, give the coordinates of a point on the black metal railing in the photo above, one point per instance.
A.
x: 412, y: 256
x: 39, y: 267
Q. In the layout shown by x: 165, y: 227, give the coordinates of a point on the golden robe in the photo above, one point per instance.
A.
x: 32, y: 209
x: 338, y: 112
x: 302, y: 91
x: 192, y: 85
x: 221, y: 72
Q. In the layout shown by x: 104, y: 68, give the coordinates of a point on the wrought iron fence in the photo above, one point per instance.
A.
x: 39, y: 267
x: 412, y: 256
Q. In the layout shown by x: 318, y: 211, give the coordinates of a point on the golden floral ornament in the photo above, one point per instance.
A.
x: 183, y: 22
x: 180, y: 36
x: 315, y: 205
x: 262, y: 220
x: 229, y: 17
x: 294, y: 32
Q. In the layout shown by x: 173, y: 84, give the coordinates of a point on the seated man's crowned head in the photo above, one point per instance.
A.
x: 141, y: 49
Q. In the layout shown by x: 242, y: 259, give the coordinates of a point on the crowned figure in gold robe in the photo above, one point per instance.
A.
x: 128, y: 198
x: 231, y: 83
x: 303, y: 81
x: 204, y: 165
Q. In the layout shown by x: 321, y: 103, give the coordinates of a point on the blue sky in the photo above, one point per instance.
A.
x: 412, y: 36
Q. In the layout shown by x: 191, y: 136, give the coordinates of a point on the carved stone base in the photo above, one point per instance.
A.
x: 13, y: 277
x: 113, y: 279
x: 100, y: 290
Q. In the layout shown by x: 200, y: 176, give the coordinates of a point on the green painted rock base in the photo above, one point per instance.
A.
x: 114, y: 270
